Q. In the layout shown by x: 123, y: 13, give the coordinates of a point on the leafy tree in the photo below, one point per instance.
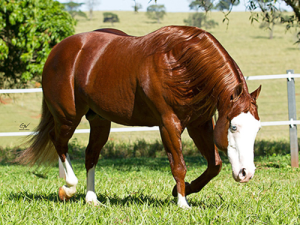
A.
x: 28, y: 31
x: 137, y: 6
x: 269, y: 9
x: 270, y: 21
x: 156, y: 12
x: 109, y: 17
x: 226, y: 4
x: 205, y: 5
x: 91, y: 4
x: 73, y: 9
x: 200, y: 20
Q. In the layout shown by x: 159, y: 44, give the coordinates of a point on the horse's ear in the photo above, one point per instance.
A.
x: 255, y: 93
x: 238, y: 91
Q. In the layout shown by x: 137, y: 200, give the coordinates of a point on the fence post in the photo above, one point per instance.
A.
x: 292, y: 116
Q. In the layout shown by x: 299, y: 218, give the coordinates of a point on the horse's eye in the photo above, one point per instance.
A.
x: 233, y: 128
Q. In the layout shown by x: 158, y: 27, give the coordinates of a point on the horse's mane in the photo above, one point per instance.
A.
x: 199, y: 71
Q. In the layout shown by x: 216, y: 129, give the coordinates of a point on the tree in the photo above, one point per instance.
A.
x: 200, y: 20
x: 290, y: 21
x: 28, y: 31
x: 206, y: 5
x: 137, y: 6
x: 73, y: 9
x: 156, y: 12
x: 226, y: 4
x: 91, y: 4
x: 270, y: 15
x: 271, y: 22
x: 269, y: 9
x: 109, y: 17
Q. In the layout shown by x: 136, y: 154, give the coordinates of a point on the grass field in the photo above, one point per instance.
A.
x: 138, y: 191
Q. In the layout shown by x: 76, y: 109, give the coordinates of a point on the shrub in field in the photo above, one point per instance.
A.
x: 28, y: 31
x: 109, y: 17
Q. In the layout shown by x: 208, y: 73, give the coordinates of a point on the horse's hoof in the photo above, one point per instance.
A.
x: 91, y: 199
x: 187, y: 191
x: 182, y: 202
x: 62, y: 194
x: 94, y: 203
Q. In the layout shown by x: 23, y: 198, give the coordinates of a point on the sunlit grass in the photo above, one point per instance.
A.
x: 138, y: 191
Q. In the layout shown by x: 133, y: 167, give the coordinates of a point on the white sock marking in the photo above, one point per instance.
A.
x: 182, y: 202
x: 71, y: 179
x: 91, y: 196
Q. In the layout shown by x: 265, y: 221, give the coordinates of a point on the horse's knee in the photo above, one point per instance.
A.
x: 179, y: 171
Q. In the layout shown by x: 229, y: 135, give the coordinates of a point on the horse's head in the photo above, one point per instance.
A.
x: 236, y: 130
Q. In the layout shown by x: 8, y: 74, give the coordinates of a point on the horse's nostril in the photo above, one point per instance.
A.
x: 244, y: 172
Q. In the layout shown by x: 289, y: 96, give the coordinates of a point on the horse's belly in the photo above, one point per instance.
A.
x: 136, y: 118
x: 125, y: 111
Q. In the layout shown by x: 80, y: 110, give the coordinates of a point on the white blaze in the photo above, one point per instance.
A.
x: 241, y: 137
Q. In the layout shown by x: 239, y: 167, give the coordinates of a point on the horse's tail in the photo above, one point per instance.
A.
x: 41, y: 148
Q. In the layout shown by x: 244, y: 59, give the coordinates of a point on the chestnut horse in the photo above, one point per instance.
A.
x: 173, y: 78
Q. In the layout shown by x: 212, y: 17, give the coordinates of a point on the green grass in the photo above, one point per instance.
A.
x: 138, y: 191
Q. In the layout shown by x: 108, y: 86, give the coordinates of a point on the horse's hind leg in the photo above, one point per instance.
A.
x: 98, y: 137
x: 60, y: 137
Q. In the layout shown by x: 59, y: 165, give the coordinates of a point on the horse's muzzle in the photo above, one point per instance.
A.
x: 244, y: 175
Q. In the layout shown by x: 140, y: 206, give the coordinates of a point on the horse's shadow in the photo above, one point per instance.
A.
x: 106, y: 201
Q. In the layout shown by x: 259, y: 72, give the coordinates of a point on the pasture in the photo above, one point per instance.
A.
x: 138, y: 190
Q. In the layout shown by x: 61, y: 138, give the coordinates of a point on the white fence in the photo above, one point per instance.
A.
x: 292, y: 122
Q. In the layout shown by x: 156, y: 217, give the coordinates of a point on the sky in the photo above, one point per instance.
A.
x: 171, y: 5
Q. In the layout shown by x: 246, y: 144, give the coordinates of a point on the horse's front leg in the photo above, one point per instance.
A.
x: 203, y: 139
x: 98, y: 137
x: 171, y: 137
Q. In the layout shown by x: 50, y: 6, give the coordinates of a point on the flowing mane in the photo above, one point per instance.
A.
x: 198, y: 68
